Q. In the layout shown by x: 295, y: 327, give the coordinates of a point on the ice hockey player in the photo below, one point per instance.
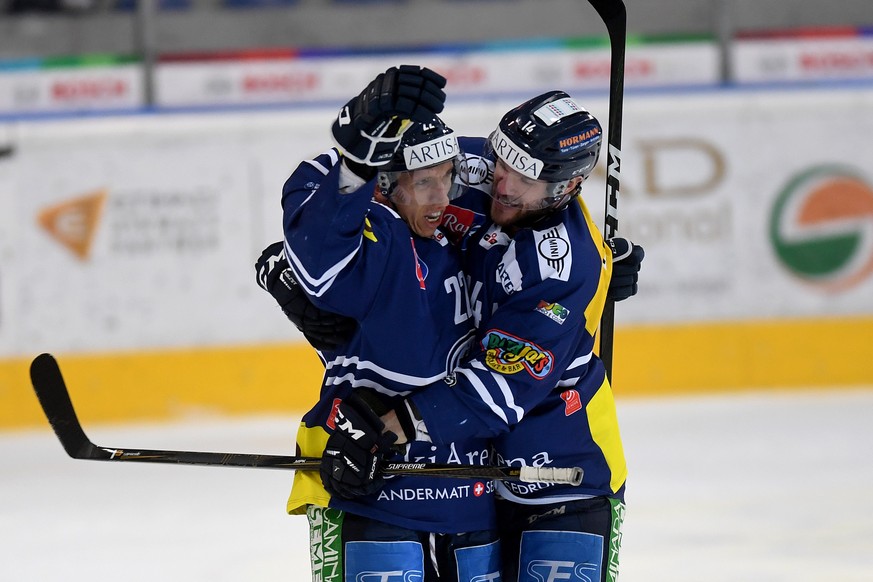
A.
x: 538, y: 273
x: 362, y: 239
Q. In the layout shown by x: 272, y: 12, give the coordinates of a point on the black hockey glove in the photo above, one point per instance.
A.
x: 355, y: 450
x: 369, y: 127
x: 626, y: 259
x: 322, y: 329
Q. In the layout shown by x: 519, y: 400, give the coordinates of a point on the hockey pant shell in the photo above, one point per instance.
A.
x: 349, y: 548
x: 574, y: 540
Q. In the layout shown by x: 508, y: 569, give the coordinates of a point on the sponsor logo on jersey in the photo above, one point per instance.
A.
x: 508, y: 272
x: 494, y: 236
x: 457, y: 222
x: 476, y: 170
x: 334, y: 408
x: 507, y: 354
x: 435, y: 493
x: 572, y: 402
x: 554, y: 311
x: 553, y: 253
x: 821, y: 228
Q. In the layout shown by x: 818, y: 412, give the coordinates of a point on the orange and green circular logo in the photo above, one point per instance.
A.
x: 822, y: 227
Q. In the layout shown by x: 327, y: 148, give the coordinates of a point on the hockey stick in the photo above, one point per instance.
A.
x: 614, y: 16
x: 48, y: 383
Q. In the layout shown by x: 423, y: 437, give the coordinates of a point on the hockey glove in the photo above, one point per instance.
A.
x: 406, y: 422
x: 369, y: 127
x: 350, y: 466
x: 626, y: 259
x: 322, y: 329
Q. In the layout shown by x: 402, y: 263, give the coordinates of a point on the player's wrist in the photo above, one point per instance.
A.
x: 410, y: 421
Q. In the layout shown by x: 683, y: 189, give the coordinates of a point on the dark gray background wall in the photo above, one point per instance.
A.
x: 207, y: 26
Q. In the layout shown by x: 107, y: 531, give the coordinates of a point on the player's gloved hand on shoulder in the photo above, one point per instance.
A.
x: 350, y: 466
x: 626, y: 259
x: 369, y: 127
x: 322, y: 329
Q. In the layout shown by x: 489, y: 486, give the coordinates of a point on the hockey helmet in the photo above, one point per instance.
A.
x: 550, y: 139
x: 424, y: 145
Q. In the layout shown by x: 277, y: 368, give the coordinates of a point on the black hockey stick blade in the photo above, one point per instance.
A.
x: 48, y: 383
x: 55, y: 401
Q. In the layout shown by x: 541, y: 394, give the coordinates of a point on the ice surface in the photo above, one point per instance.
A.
x: 765, y: 487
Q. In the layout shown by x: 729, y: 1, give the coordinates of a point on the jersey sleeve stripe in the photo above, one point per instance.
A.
x: 316, y: 286
x: 504, y: 389
x: 316, y: 163
x: 357, y: 363
x: 580, y: 361
x: 483, y: 393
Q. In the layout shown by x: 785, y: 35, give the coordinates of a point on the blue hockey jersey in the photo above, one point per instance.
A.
x: 532, y: 382
x: 357, y: 257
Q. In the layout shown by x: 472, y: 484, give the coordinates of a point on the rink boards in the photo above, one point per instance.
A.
x: 127, y: 245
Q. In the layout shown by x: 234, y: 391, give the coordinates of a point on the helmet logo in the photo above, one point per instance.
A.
x: 552, y: 112
x: 580, y: 140
x: 517, y: 159
x: 430, y: 153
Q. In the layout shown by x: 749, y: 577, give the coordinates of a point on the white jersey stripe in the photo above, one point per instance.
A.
x: 483, y: 392
x: 504, y: 389
x: 356, y: 362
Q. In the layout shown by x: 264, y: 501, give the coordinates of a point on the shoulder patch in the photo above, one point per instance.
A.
x: 508, y: 272
x: 507, y: 354
x: 554, y: 311
x: 554, y: 254
x: 494, y: 236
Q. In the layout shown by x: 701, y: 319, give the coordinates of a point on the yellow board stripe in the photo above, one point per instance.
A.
x: 734, y: 356
x: 170, y: 384
x: 649, y: 361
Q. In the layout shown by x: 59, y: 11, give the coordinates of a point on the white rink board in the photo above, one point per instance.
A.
x: 190, y: 200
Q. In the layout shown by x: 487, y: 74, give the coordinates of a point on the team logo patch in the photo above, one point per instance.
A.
x: 554, y: 311
x: 508, y: 354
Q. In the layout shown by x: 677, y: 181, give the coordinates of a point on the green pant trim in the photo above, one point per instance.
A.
x: 325, y: 543
x: 618, y: 510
